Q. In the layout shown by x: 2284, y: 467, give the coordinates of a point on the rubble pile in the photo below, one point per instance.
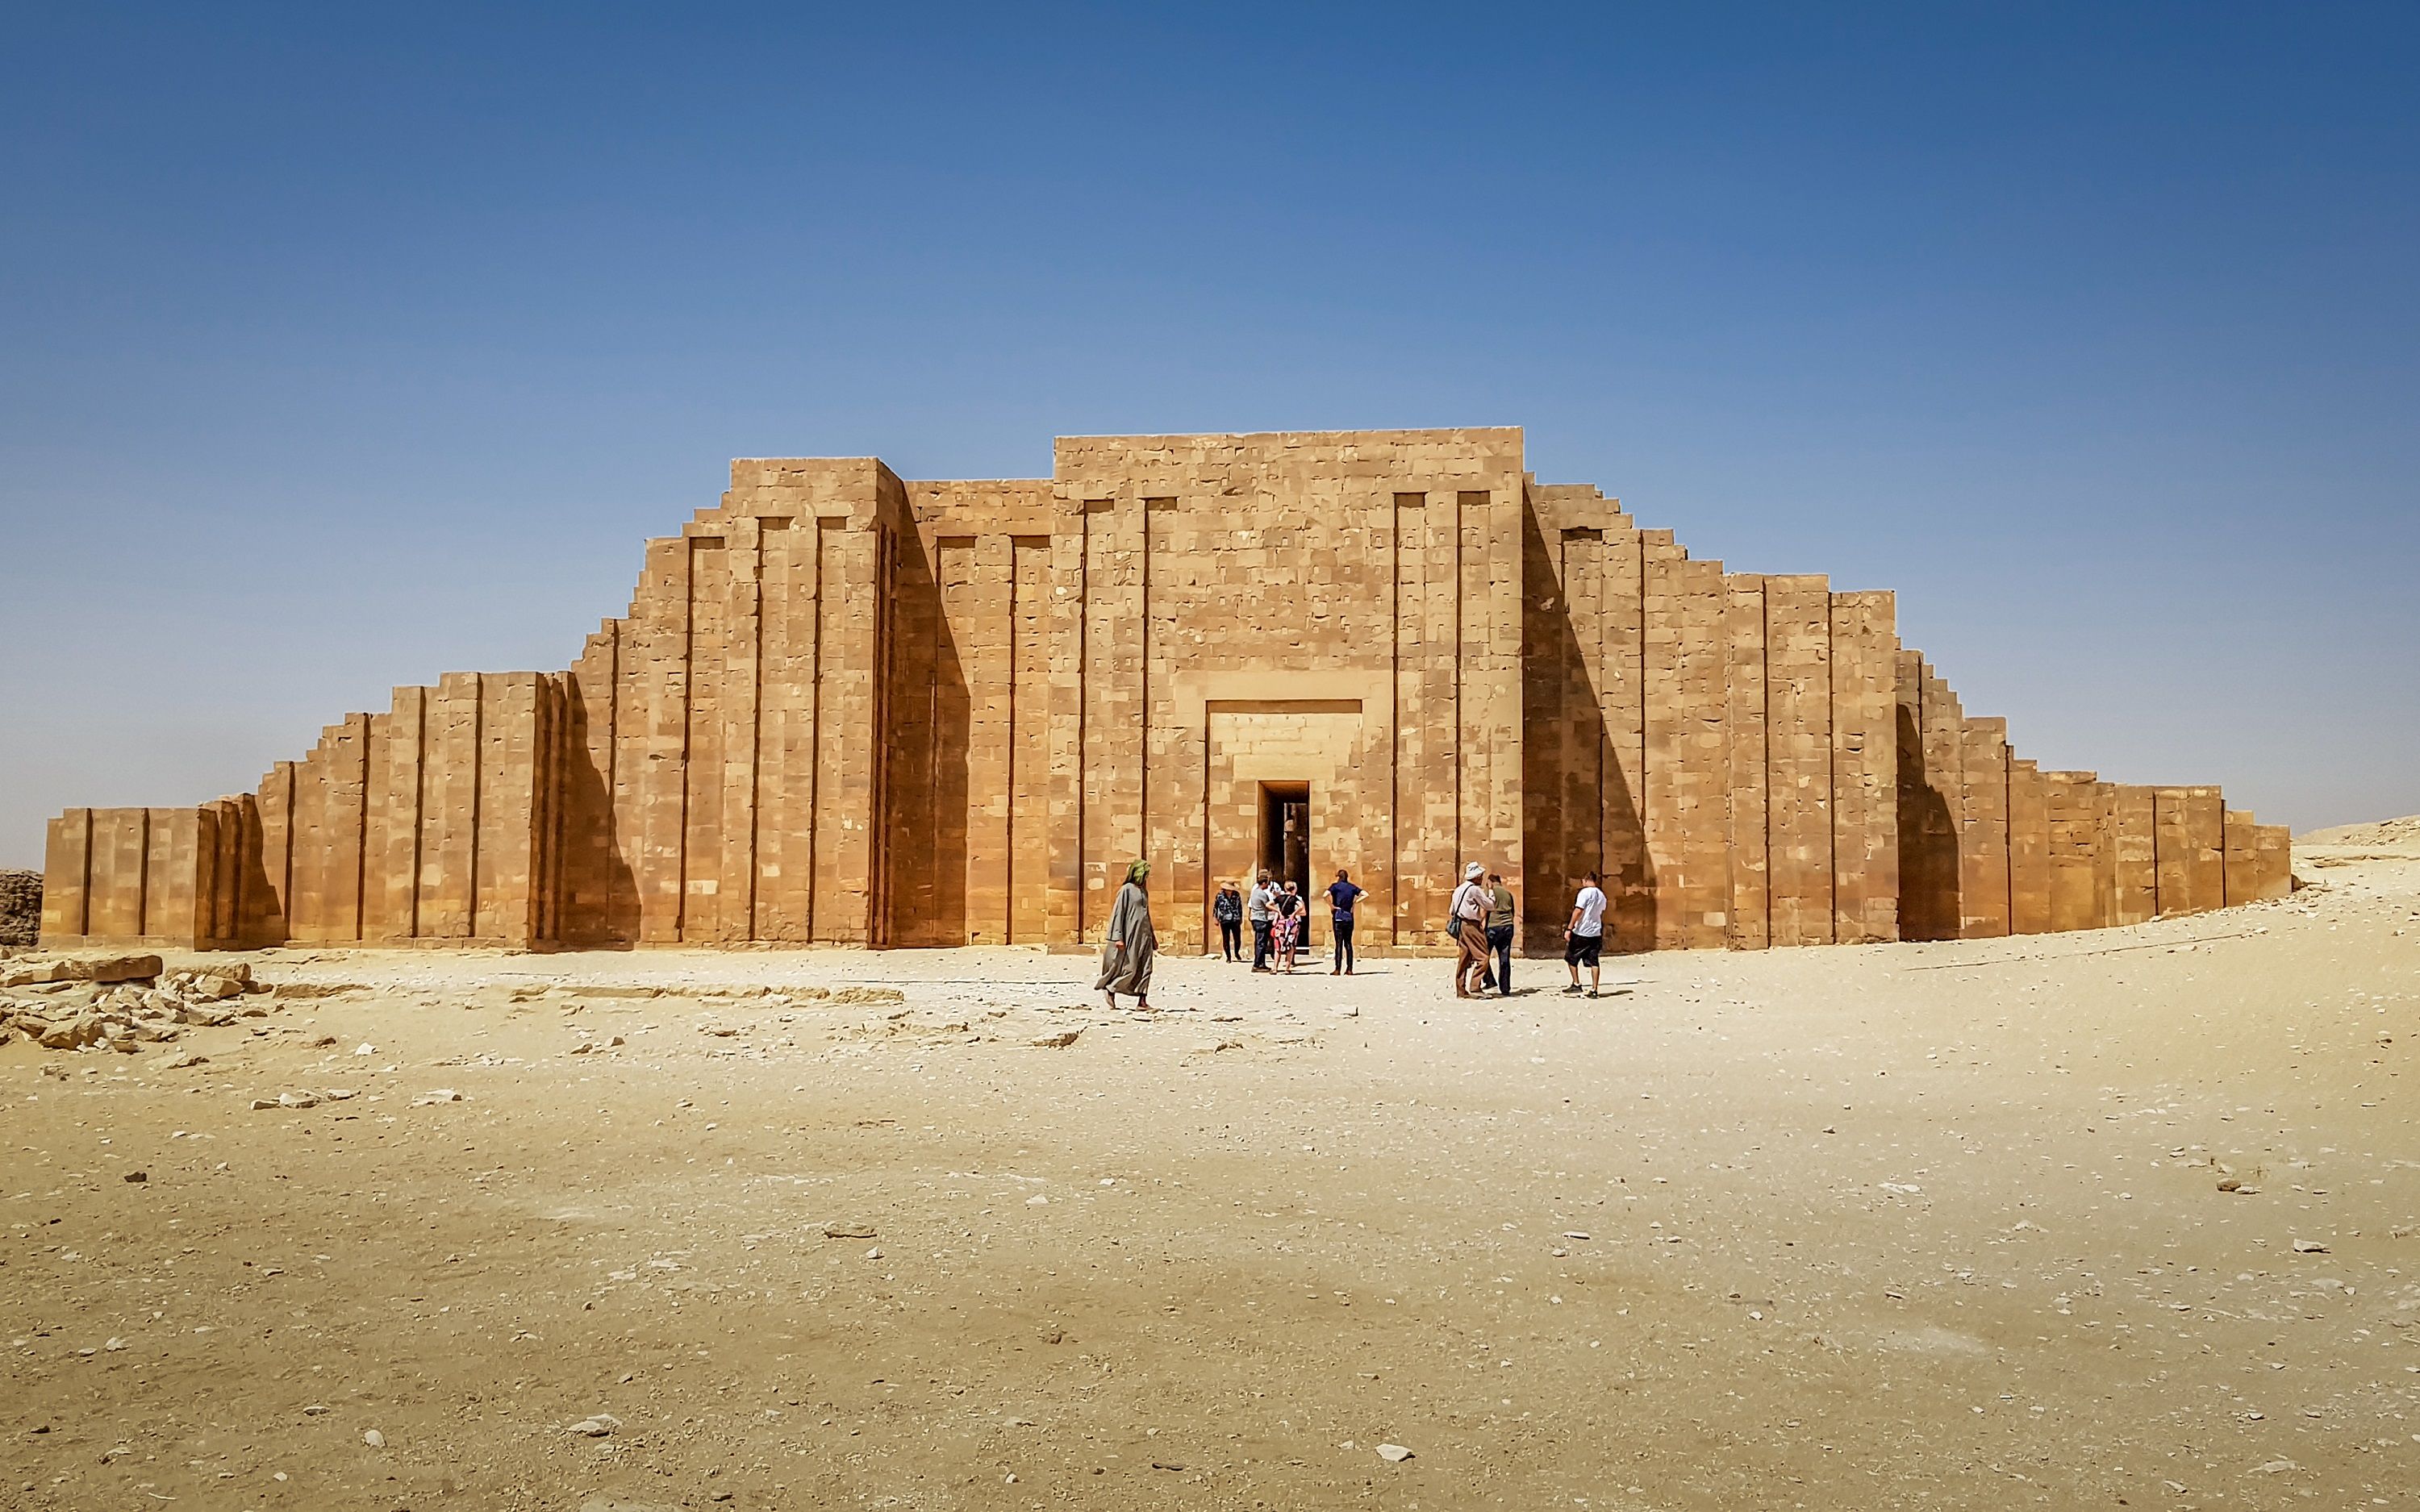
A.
x: 20, y: 907
x: 120, y: 1002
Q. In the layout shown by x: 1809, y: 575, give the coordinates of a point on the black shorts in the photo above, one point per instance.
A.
x: 1583, y: 949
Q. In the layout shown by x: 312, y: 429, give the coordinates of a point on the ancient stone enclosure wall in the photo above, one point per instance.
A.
x: 848, y: 709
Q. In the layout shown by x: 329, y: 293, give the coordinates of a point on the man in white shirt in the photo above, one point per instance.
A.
x: 1259, y: 908
x: 1584, y: 937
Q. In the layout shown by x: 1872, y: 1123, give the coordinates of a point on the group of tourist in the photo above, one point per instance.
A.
x: 1480, y: 920
x: 1277, y: 912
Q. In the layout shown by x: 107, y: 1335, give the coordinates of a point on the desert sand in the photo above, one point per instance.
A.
x: 2122, y: 1218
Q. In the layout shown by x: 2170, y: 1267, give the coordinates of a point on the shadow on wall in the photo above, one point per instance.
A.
x: 1929, y: 903
x: 1583, y: 815
x: 932, y: 741
x: 609, y: 918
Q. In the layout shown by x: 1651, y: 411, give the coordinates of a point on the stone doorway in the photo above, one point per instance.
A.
x: 1285, y: 841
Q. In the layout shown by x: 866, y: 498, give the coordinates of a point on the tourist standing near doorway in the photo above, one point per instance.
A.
x: 1228, y: 909
x: 1288, y: 923
x: 1584, y: 937
x: 1259, y: 909
x: 1342, y: 896
x: 1133, y: 946
x: 1499, y: 935
x: 1467, y: 917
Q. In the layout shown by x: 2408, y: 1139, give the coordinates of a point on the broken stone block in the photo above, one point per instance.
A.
x: 77, y: 1032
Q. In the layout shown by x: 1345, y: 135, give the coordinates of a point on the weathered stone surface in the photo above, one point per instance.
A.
x: 20, y: 907
x: 108, y: 969
x: 845, y: 708
x: 74, y: 1034
x: 210, y: 984
x: 103, y: 969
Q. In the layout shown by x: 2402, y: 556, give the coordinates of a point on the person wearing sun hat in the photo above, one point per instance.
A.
x: 1467, y: 918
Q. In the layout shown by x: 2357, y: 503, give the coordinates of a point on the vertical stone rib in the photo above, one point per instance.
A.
x: 1029, y: 880
x: 2135, y: 857
x: 1504, y: 728
x: 1629, y: 873
x: 1406, y: 855
x: 1068, y: 591
x: 705, y: 646
x: 1585, y: 750
x: 478, y: 800
x: 67, y: 877
x: 2029, y: 849
x: 1877, y: 619
x: 822, y: 709
x: 1799, y: 737
x: 810, y: 814
x: 1145, y: 836
x: 653, y: 780
x: 1747, y: 810
x: 735, y: 859
x: 1699, y: 744
x: 2071, y: 806
x: 1983, y: 841
x: 1439, y: 779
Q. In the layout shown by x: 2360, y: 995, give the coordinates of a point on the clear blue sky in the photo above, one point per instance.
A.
x: 341, y: 347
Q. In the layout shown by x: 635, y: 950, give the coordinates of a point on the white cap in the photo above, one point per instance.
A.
x: 1473, y: 871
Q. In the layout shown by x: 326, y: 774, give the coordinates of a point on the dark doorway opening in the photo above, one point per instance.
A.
x: 1285, y: 840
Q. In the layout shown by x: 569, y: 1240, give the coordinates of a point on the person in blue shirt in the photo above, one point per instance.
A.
x: 1342, y: 897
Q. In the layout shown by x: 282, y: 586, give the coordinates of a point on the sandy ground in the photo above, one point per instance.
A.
x: 1934, y: 1225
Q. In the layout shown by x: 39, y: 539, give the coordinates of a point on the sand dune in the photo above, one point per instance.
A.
x: 2400, y: 834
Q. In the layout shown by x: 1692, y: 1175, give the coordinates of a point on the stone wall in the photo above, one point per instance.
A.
x: 846, y: 709
x: 1723, y: 741
x: 20, y: 907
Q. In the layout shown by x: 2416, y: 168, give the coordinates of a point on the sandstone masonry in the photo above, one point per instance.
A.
x: 851, y: 710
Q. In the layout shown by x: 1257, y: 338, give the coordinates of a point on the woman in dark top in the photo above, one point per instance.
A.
x: 1228, y: 909
x: 1342, y: 895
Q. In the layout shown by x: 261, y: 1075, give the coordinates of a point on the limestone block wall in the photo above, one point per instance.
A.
x: 162, y: 878
x: 724, y: 776
x: 969, y: 715
x: 846, y: 709
x: 1990, y: 845
x: 1721, y: 745
x: 437, y: 822
x: 1336, y: 592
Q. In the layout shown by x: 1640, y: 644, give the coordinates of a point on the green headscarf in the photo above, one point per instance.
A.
x: 1137, y: 872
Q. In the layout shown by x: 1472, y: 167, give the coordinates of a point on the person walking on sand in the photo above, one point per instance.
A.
x: 1342, y: 896
x: 1584, y: 937
x: 1228, y: 908
x: 1132, y: 946
x: 1467, y: 917
x: 1259, y: 909
x: 1499, y: 935
x: 1288, y: 924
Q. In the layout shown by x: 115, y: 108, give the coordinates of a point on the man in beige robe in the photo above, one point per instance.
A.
x: 1133, y: 945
